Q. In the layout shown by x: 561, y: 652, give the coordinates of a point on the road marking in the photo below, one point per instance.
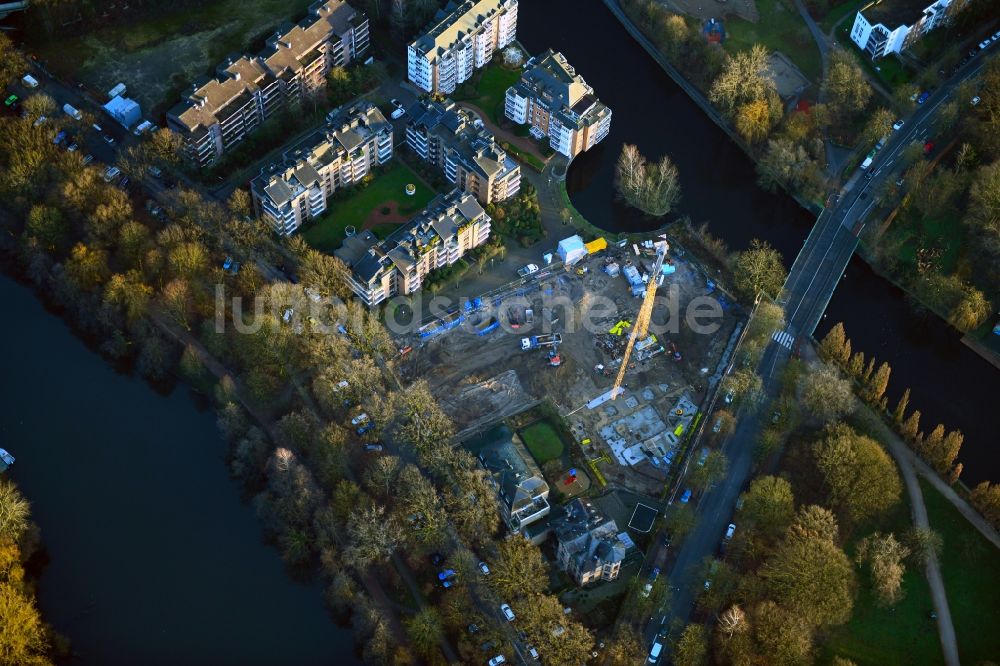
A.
x: 783, y: 338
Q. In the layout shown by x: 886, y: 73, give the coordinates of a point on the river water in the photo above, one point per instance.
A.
x: 949, y: 382
x: 153, y: 557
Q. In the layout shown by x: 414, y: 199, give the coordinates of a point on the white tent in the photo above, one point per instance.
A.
x: 571, y: 250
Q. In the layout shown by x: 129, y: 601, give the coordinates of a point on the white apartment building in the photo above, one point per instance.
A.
x: 296, y: 189
x: 469, y: 156
x: 880, y: 29
x: 451, y: 225
x: 461, y: 39
x: 220, y: 112
x: 558, y: 103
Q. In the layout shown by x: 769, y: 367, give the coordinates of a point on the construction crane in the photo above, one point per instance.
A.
x: 641, y: 325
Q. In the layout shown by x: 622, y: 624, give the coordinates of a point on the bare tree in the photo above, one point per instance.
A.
x: 653, y: 189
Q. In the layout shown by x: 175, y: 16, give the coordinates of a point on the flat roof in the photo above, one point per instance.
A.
x: 893, y: 13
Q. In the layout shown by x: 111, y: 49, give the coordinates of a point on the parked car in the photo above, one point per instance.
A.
x: 473, y: 628
x: 73, y: 147
x: 373, y: 448
x: 497, y: 660
x: 928, y: 147
x: 359, y: 419
x: 654, y: 652
x: 923, y: 97
x: 686, y: 497
x: 729, y: 397
x: 525, y: 271
x: 108, y: 139
x: 983, y: 44
x: 87, y: 159
x: 975, y: 100
x: 446, y: 574
x: 507, y: 612
x: 154, y: 172
x: 365, y: 428
x: 111, y: 174
x: 29, y: 81
x: 533, y: 652
x: 703, y: 456
x: 398, y: 110
x: 730, y: 531
x: 718, y: 425
x: 898, y: 125
x: 485, y: 569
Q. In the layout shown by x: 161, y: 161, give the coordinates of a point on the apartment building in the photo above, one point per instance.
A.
x: 881, y: 28
x: 558, y: 103
x: 589, y: 549
x: 221, y: 111
x: 451, y: 225
x: 461, y: 39
x: 338, y: 155
x: 446, y: 136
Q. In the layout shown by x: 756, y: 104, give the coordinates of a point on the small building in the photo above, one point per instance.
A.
x: 596, y: 245
x: 714, y: 31
x: 589, y: 548
x: 891, y: 26
x: 125, y: 111
x: 571, y: 250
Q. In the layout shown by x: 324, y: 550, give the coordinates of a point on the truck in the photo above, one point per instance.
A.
x: 525, y: 271
x: 537, y: 341
x: 72, y: 112
x: 116, y: 91
x: 29, y: 81
x: 142, y: 128
x: 868, y: 160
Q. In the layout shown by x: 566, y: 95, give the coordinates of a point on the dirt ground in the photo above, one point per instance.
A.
x: 480, y: 379
x: 786, y: 76
x: 705, y: 9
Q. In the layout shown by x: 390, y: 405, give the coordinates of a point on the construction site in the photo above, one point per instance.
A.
x: 560, y: 335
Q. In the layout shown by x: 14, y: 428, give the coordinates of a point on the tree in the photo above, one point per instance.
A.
x: 831, y: 349
x: 813, y: 579
x: 876, y: 384
x: 373, y: 535
x: 971, y: 311
x: 239, y: 203
x: 856, y: 366
x: 712, y: 470
x: 519, y: 570
x: 552, y: 632
x: 986, y: 498
x: 726, y: 423
x: 879, y: 125
x: 783, y: 637
x: 794, y: 166
x: 421, y: 422
x: 743, y: 79
x: 910, y: 427
x: 11, y: 62
x: 847, y: 89
x: 47, y: 224
x: 923, y: 544
x: 754, y: 120
x: 899, y: 413
x: 768, y: 506
x: 24, y: 638
x: 653, y: 189
x: 692, y: 647
x: 744, y: 384
x: 38, y: 105
x: 732, y: 621
x: 129, y: 293
x: 882, y: 556
x: 626, y: 649
x: 381, y: 475
x: 679, y: 521
x: 860, y: 478
x: 14, y: 512
x: 425, y: 631
x: 759, y: 269
x: 420, y: 504
x: 814, y: 522
x: 826, y: 394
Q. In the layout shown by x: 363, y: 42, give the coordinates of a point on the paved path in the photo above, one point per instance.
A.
x: 905, y: 460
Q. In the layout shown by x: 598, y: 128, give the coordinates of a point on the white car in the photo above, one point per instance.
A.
x: 730, y: 531
x: 111, y: 174
x: 983, y: 44
x: 497, y: 660
x: 975, y: 100
x: 530, y: 269
x: 359, y: 419
x: 398, y: 111
x: 507, y: 612
x: 898, y: 125
x: 533, y: 652
x: 485, y: 569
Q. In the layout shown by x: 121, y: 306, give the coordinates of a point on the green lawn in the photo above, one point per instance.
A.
x: 913, y: 231
x: 489, y: 90
x: 903, y: 634
x: 543, y: 441
x: 779, y: 29
x: 527, y: 158
x: 327, y: 233
x: 970, y: 566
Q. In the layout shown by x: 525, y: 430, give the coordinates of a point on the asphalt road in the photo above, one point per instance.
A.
x: 811, y: 282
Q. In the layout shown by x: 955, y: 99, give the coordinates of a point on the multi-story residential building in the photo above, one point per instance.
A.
x: 880, y: 29
x: 556, y: 102
x: 340, y: 154
x: 451, y: 225
x: 461, y: 39
x: 466, y: 152
x: 588, y: 549
x: 220, y: 112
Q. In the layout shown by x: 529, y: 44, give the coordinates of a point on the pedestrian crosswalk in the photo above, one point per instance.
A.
x: 783, y: 338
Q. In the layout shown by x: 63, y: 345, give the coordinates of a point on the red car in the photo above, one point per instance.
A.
x: 928, y: 147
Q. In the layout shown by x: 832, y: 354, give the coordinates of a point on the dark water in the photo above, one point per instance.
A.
x: 949, y: 382
x: 153, y: 557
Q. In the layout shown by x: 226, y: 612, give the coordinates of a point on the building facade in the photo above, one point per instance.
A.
x: 468, y: 155
x: 340, y: 154
x: 558, y: 103
x: 220, y: 112
x: 450, y: 226
x: 461, y: 39
x: 880, y: 28
x: 588, y: 549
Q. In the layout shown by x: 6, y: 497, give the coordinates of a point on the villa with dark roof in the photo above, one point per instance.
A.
x: 558, y: 103
x: 338, y: 155
x: 220, y: 112
x: 466, y: 152
x: 589, y: 549
x: 890, y: 26
x: 450, y: 226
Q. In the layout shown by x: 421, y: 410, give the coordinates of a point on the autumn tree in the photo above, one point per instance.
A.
x: 910, y: 427
x: 652, y: 188
x: 418, y: 503
x: 813, y: 579
x: 971, y: 311
x: 744, y: 79
x: 692, y: 647
x: 847, y: 90
x: 814, y: 522
x: 14, y: 512
x: 744, y: 384
x: 923, y: 544
x: 768, y: 507
x: 373, y: 534
x: 826, y: 393
x: 679, y: 520
x: 882, y: 557
x: 879, y: 125
x: 899, y: 413
x: 519, y: 569
x: 782, y: 636
x: 831, y: 349
x: 552, y: 632
x: 986, y: 498
x: 877, y: 383
x: 626, y: 649
x: 710, y: 471
x: 794, y: 166
x: 758, y: 269
x: 24, y: 639
x: 755, y: 120
x: 425, y: 631
x: 860, y: 478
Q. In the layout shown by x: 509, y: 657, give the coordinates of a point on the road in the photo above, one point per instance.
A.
x: 811, y: 282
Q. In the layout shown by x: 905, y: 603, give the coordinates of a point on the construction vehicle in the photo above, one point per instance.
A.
x: 555, y: 360
x: 538, y: 341
x: 641, y: 326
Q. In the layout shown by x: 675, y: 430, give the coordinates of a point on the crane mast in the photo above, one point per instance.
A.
x: 641, y: 320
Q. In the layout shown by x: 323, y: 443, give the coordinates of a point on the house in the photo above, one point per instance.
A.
x: 221, y: 111
x: 340, y: 154
x: 125, y: 111
x: 441, y: 133
x: 589, y: 548
x: 461, y: 39
x: 522, y: 492
x: 450, y: 226
x: 890, y: 26
x: 558, y: 103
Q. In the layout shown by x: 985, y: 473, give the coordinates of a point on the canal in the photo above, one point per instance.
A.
x: 152, y: 556
x: 949, y: 383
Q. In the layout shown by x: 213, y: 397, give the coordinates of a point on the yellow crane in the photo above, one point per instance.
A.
x: 641, y: 325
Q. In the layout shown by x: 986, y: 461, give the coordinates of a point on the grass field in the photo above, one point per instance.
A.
x: 779, y: 29
x: 543, y: 441
x: 848, y: 8
x: 970, y: 566
x: 327, y: 233
x: 490, y: 90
